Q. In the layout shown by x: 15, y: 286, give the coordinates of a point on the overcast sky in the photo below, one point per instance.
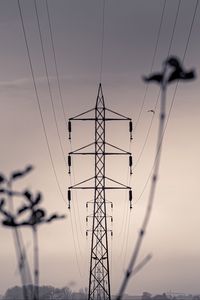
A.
x: 131, y: 29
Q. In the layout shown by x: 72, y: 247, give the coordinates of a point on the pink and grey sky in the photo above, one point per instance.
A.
x: 131, y: 28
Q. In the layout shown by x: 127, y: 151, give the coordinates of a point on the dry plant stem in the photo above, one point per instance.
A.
x: 20, y: 258
x: 142, y: 231
x: 18, y: 247
x: 141, y: 265
x: 36, y: 263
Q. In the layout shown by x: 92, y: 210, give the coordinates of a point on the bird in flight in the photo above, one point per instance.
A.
x: 151, y: 110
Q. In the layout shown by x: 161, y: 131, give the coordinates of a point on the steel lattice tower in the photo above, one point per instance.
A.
x: 99, y: 277
x: 99, y: 280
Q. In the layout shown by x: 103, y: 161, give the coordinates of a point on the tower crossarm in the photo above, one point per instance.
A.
x: 79, y: 150
x: 77, y: 117
x: 118, y: 116
x: 119, y: 184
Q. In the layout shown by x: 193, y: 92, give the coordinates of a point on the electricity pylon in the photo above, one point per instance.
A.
x: 99, y: 277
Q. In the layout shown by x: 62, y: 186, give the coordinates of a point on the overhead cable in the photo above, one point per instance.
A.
x: 38, y: 100
x: 155, y: 106
x: 102, y: 42
x: 152, y: 63
x: 48, y: 81
x: 63, y: 111
x: 174, y: 95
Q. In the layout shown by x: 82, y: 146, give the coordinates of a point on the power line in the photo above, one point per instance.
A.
x: 152, y: 63
x: 128, y: 182
x: 58, y: 81
x: 111, y: 260
x: 55, y: 58
x: 76, y: 227
x: 125, y: 216
x: 37, y: 98
x: 191, y: 27
x: 174, y: 95
x: 126, y: 225
x: 102, y: 42
x: 101, y: 67
x: 48, y: 81
x: 76, y: 197
x: 76, y: 255
x: 126, y: 241
x: 161, y: 138
x: 63, y: 111
x: 155, y: 106
x: 127, y: 220
x: 124, y: 220
x: 78, y: 243
x: 164, y: 81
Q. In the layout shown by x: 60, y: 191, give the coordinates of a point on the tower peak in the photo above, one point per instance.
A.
x: 100, y: 97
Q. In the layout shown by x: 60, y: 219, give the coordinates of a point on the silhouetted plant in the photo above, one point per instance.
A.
x: 9, y: 220
x: 36, y: 217
x: 172, y: 71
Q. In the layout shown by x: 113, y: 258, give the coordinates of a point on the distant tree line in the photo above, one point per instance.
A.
x: 148, y: 296
x: 46, y: 293
x: 65, y: 293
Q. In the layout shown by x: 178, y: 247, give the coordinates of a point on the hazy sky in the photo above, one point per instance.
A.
x: 131, y: 28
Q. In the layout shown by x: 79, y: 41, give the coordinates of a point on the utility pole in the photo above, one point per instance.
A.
x: 99, y: 276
